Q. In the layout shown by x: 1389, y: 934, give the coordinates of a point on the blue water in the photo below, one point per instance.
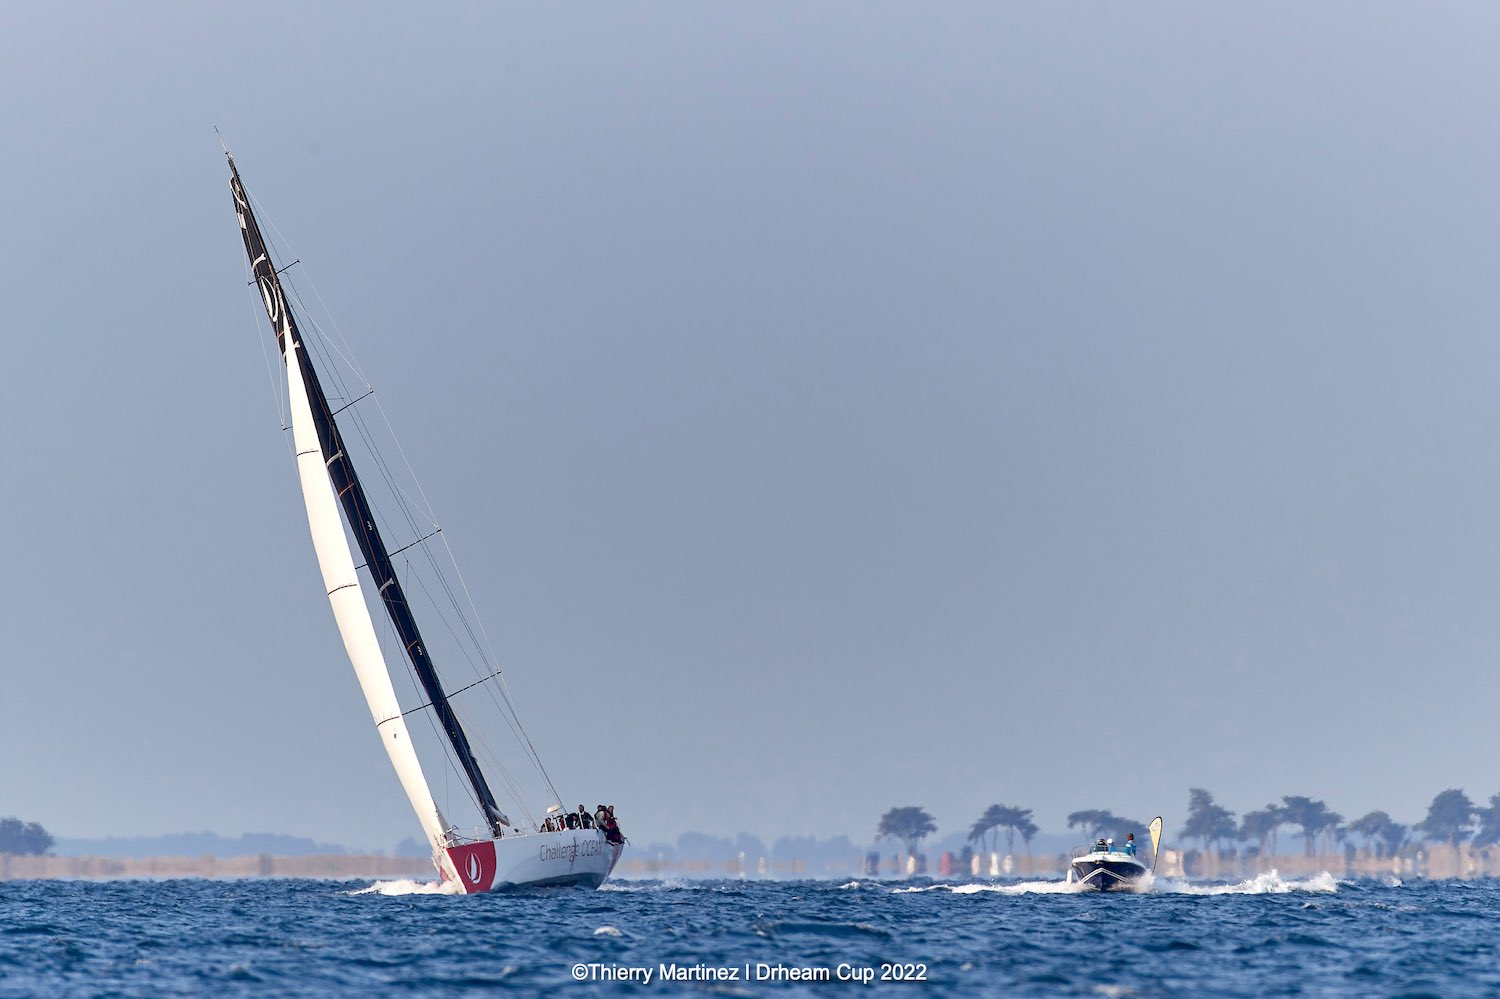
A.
x: 1265, y: 937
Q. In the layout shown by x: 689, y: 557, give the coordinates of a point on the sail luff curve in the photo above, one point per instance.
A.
x: 319, y: 439
x: 346, y: 596
x: 357, y: 510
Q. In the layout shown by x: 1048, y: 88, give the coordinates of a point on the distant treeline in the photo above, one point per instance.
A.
x: 1452, y: 819
x: 23, y: 838
x: 199, y: 844
x: 837, y: 851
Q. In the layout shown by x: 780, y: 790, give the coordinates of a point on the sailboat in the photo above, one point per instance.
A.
x: 499, y: 853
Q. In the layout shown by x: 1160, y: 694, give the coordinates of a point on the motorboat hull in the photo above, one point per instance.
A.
x: 1107, y: 872
x: 573, y: 857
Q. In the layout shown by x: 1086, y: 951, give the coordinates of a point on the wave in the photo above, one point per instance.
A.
x: 77, y: 937
x: 1016, y: 888
x: 1269, y: 883
x: 651, y: 884
x: 406, y: 886
x: 833, y: 928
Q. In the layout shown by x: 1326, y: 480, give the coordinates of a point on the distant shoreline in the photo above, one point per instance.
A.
x: 14, y: 867
x: 1435, y: 863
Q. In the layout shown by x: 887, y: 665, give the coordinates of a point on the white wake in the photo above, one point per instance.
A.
x: 1269, y: 883
x: 1018, y: 888
x: 651, y: 884
x: 406, y: 886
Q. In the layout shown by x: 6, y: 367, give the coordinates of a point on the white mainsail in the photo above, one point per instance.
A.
x: 341, y: 580
x: 340, y: 516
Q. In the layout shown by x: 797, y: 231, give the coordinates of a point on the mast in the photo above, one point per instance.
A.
x: 344, y: 482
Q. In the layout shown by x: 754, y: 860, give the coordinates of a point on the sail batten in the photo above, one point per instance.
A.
x: 355, y: 626
x: 321, y: 456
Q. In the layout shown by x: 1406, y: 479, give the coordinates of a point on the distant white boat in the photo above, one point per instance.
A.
x: 500, y: 853
x: 1105, y: 867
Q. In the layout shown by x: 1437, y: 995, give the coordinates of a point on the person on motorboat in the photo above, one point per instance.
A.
x: 1130, y: 845
x: 1101, y: 847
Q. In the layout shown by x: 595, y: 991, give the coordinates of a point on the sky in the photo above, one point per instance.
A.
x: 832, y: 406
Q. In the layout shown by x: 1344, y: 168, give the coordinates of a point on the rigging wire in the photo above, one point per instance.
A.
x: 349, y: 358
x: 480, y: 643
x: 482, y: 640
x: 484, y: 680
x: 390, y: 643
x: 319, y: 344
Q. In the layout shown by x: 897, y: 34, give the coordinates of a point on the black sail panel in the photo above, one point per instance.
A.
x: 357, y: 511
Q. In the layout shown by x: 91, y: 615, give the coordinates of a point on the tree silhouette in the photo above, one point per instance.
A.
x: 1096, y: 821
x: 1026, y: 828
x: 1092, y: 821
x: 1448, y: 817
x: 1206, y: 821
x: 1313, y: 817
x: 1013, y: 821
x: 908, y: 824
x: 1370, y: 826
x: 1394, y: 837
x: 23, y: 837
x: 1489, y: 823
x: 986, y: 826
x: 1010, y: 818
x: 1261, y: 826
x: 1381, y: 835
x: 1334, y: 832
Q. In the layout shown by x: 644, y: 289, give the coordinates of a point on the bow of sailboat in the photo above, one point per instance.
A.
x: 428, y: 673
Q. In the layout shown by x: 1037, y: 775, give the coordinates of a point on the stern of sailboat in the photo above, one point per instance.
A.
x: 576, y: 857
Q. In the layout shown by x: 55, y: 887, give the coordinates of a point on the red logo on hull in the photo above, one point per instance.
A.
x: 475, y: 863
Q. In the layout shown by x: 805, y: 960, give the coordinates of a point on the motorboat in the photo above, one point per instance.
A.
x: 1107, y: 867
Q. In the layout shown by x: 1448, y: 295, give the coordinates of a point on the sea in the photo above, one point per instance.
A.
x: 1267, y: 936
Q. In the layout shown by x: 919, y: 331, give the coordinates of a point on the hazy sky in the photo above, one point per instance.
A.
x: 833, y: 406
